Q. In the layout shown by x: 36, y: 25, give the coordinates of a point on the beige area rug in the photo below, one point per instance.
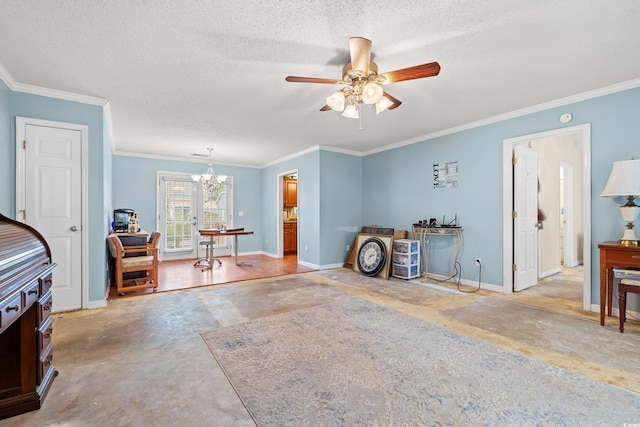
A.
x: 352, y: 362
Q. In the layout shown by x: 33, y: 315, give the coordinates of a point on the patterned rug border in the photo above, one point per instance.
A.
x: 226, y: 374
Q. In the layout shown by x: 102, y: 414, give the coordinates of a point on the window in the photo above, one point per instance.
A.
x: 178, y: 215
x: 184, y: 208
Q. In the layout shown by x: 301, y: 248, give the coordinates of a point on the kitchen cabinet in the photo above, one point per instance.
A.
x: 290, y: 192
x: 290, y: 238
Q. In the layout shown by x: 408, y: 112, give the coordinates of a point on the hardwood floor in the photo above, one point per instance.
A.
x: 182, y: 274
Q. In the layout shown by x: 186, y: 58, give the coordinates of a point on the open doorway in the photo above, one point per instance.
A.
x: 288, y: 214
x: 553, y: 147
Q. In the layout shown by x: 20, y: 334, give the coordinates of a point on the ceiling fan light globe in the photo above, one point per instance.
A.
x: 382, y: 104
x: 206, y: 176
x: 221, y: 178
x: 371, y: 93
x: 336, y: 101
x: 195, y: 178
x: 351, y: 111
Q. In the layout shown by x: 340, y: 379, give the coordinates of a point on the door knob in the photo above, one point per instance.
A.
x: 73, y: 228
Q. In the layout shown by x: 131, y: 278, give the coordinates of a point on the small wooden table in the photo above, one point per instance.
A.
x: 613, y: 254
x: 213, y: 232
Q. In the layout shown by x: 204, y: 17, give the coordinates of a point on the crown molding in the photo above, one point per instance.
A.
x: 6, y: 77
x: 608, y: 90
x: 59, y: 94
x: 203, y: 160
x: 340, y: 150
x: 291, y: 156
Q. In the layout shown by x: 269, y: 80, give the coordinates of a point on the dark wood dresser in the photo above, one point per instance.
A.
x: 26, y: 354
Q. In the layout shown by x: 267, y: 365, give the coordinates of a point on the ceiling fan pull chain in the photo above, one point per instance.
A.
x: 360, y: 115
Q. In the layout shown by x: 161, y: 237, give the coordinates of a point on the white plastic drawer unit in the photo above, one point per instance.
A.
x: 401, y: 272
x: 406, y: 259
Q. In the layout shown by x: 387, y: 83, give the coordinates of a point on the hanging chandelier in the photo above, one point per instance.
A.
x: 209, y: 180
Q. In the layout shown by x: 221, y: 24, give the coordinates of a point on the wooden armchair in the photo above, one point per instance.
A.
x: 135, y: 258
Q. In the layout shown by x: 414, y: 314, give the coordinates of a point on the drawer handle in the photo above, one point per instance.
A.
x: 48, y: 360
x: 48, y: 332
x: 32, y: 291
x: 15, y: 307
x: 635, y: 256
x: 47, y: 306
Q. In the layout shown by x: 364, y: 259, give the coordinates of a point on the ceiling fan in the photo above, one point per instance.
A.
x: 362, y: 82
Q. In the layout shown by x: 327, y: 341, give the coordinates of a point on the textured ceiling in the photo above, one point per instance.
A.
x: 182, y: 75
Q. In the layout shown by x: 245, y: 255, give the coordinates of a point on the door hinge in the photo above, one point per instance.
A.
x: 514, y: 267
x: 24, y: 215
x: 514, y: 214
x: 514, y: 160
x: 24, y: 144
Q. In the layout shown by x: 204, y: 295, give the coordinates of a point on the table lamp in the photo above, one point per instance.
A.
x: 624, y: 181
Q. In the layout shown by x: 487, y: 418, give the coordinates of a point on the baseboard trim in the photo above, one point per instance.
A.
x: 97, y: 304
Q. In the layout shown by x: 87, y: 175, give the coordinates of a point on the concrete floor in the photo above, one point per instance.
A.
x: 142, y: 361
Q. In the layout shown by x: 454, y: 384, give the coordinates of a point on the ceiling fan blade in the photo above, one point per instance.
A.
x: 396, y: 101
x: 325, y: 108
x: 310, y: 80
x: 360, y: 49
x: 417, y: 72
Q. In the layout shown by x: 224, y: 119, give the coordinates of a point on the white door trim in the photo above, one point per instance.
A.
x: 21, y: 124
x: 584, y: 131
x: 197, y: 251
x: 569, y: 258
x: 279, y: 213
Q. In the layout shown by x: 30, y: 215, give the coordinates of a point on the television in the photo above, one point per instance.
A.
x: 121, y: 219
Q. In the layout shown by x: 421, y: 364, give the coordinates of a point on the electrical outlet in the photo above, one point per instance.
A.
x: 347, y: 248
x: 478, y: 262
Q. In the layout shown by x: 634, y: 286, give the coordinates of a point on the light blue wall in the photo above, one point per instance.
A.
x: 107, y: 194
x: 340, y: 205
x: 308, y: 166
x: 339, y: 193
x: 7, y: 155
x: 329, y: 201
x: 134, y: 187
x: 45, y: 108
x: 398, y: 188
x: 399, y: 192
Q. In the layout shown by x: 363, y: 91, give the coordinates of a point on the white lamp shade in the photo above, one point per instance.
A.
x: 351, y: 111
x: 336, y: 101
x: 624, y: 179
x: 371, y: 93
x: 221, y: 178
x: 383, y: 104
x: 195, y: 178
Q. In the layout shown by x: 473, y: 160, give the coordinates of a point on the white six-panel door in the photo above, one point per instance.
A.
x: 52, y: 187
x: 525, y: 223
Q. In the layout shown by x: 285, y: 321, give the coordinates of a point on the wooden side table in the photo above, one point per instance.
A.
x: 613, y: 254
